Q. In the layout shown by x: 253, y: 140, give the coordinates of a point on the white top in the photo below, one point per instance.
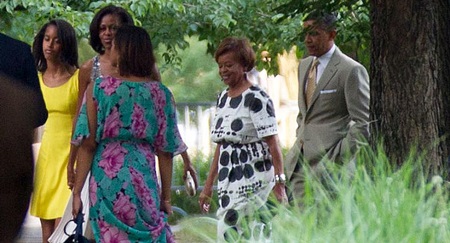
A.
x: 244, y: 119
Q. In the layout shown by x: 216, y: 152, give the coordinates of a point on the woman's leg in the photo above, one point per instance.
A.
x: 48, y: 226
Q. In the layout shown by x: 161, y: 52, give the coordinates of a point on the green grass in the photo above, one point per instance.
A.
x: 180, y: 198
x: 379, y: 204
x: 189, y: 232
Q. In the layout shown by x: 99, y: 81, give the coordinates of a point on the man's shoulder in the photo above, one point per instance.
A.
x: 308, y: 58
x: 9, y: 43
x: 345, y: 59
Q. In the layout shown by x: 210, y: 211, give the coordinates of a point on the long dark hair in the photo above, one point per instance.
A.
x: 94, y: 29
x: 68, y: 40
x: 135, y: 50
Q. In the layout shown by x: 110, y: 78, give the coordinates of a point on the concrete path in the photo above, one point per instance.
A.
x: 31, y: 230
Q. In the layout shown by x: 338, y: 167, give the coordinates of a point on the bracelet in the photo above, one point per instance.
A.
x: 281, y: 179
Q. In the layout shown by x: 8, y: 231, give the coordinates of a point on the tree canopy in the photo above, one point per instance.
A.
x: 271, y: 25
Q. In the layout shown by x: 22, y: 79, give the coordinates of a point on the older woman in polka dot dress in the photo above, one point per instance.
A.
x: 247, y: 160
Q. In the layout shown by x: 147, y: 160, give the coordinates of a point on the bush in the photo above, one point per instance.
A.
x: 378, y: 204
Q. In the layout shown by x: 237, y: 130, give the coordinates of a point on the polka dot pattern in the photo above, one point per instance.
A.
x: 244, y: 119
x: 245, y: 173
x: 235, y: 102
x: 237, y: 125
x: 247, y: 228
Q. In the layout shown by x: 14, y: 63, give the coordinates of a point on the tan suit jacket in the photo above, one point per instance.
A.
x: 339, y: 113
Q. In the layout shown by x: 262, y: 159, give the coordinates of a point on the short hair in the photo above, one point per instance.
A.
x: 135, y: 51
x: 94, y: 28
x: 324, y: 20
x: 68, y: 40
x: 241, y: 47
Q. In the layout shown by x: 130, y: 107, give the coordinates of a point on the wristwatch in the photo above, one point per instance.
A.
x: 281, y: 178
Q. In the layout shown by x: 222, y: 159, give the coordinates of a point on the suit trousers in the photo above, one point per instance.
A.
x: 317, y: 180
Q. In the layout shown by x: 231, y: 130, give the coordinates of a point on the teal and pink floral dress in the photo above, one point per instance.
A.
x: 134, y: 119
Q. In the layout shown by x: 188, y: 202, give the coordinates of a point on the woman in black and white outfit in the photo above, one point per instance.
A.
x: 247, y: 160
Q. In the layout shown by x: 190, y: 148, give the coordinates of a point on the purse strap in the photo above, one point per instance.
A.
x: 79, y: 228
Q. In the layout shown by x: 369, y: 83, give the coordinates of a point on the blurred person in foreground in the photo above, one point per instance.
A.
x: 22, y: 110
x: 247, y: 160
x: 19, y: 112
x: 17, y: 63
x: 333, y: 100
x: 127, y: 119
x: 55, y: 52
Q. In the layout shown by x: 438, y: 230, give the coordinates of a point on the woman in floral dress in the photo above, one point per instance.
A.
x: 127, y: 119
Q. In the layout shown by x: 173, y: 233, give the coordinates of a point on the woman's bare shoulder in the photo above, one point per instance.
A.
x: 87, y: 65
x: 85, y: 71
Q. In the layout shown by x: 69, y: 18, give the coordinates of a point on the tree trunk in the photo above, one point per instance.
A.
x: 410, y: 80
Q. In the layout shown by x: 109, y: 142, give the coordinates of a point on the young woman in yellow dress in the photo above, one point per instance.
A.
x: 56, y: 57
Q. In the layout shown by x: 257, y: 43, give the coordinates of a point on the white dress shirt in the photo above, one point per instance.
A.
x: 323, y: 62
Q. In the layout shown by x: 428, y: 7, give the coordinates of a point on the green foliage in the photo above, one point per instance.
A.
x: 37, y: 12
x: 186, y: 64
x: 85, y: 51
x: 353, y: 23
x: 197, y: 79
x: 253, y: 19
x: 379, y: 204
x: 271, y: 25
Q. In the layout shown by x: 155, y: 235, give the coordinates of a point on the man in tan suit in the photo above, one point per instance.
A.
x: 334, y: 119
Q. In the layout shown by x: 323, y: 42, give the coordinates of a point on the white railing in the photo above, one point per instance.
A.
x: 194, y: 122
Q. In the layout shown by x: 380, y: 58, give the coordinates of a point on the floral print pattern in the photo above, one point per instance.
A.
x: 112, y: 124
x: 109, y: 85
x: 138, y: 123
x: 134, y: 119
x: 113, y: 158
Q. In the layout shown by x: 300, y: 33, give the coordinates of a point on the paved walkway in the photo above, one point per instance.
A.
x: 31, y: 230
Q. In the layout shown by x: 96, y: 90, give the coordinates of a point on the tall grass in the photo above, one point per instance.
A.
x: 378, y: 204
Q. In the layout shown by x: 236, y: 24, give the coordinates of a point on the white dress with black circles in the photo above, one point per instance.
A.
x: 246, y: 174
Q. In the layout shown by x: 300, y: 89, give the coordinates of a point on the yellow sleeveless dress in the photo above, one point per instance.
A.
x: 51, y: 193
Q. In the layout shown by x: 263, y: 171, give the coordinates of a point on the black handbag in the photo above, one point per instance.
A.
x: 77, y: 234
